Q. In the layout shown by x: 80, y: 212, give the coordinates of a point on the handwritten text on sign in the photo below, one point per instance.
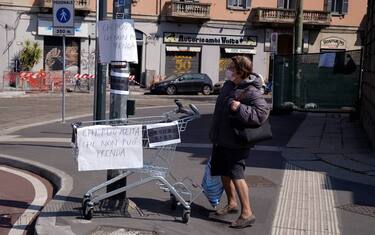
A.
x: 109, y: 147
x: 117, y: 41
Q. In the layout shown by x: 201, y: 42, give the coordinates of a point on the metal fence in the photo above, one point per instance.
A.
x: 327, y: 81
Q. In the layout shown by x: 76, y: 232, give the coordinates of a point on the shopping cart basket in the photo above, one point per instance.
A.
x: 182, y: 192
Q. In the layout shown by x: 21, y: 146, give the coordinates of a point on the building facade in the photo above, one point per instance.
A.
x: 368, y: 81
x: 176, y: 36
x: 201, y: 36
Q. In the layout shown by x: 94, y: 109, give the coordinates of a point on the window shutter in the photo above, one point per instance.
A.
x: 345, y: 7
x: 328, y: 5
x: 280, y: 3
x: 248, y: 3
x: 231, y: 3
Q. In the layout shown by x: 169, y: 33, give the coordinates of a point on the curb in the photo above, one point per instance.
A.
x: 12, y: 94
x: 45, y: 222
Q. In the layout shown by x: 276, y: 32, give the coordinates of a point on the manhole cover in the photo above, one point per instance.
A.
x: 112, y: 230
x: 257, y: 181
x: 358, y: 209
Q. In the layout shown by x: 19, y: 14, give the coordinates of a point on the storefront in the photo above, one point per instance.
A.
x: 204, y: 53
x: 79, y: 49
x: 225, y: 58
x: 182, y: 59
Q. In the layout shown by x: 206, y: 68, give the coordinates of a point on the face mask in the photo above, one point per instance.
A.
x: 228, y: 74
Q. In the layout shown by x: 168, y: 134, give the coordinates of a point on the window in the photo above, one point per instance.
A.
x: 239, y: 4
x: 337, y: 6
x: 286, y: 4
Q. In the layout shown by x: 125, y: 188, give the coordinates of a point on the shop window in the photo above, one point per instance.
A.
x: 239, y: 4
x: 286, y: 4
x: 337, y: 6
x: 53, y: 55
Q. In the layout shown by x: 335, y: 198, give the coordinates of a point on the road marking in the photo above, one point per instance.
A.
x: 40, y: 199
x: 305, y: 204
x: 17, y: 128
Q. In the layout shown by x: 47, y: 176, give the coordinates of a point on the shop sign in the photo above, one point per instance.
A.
x: 240, y: 51
x: 192, y: 49
x: 333, y: 43
x: 210, y: 39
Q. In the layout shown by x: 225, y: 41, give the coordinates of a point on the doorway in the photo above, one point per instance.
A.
x: 285, y: 44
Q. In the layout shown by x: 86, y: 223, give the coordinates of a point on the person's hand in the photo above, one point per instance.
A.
x: 235, y: 105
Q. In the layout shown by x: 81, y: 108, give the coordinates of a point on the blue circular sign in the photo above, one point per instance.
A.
x: 63, y: 15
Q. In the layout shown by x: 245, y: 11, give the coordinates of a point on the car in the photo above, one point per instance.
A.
x: 187, y: 82
x: 219, y: 85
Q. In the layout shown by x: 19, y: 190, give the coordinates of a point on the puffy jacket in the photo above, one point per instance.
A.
x: 252, y: 112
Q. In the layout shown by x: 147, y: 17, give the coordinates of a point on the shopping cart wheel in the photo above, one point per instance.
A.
x: 185, y: 216
x: 85, y: 198
x: 87, y: 210
x: 174, y: 202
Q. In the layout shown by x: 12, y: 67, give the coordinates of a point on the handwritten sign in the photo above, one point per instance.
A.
x: 117, y: 41
x: 162, y: 134
x: 105, y: 147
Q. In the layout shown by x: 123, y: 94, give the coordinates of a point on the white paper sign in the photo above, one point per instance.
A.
x: 117, y: 41
x: 105, y: 147
x: 162, y: 134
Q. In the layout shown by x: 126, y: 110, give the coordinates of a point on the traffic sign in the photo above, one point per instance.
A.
x: 63, y: 17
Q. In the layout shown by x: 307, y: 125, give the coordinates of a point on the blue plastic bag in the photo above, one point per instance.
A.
x: 212, y: 186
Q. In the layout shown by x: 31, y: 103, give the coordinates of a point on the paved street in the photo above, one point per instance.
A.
x: 306, y: 195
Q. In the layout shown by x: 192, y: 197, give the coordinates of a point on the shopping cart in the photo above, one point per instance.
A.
x: 182, y: 192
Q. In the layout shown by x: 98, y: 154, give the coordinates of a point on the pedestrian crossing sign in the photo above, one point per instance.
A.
x: 63, y: 17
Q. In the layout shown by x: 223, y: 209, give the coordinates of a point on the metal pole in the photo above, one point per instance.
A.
x: 100, y: 77
x: 298, y: 35
x: 63, y: 84
x: 119, y: 73
x: 299, y: 28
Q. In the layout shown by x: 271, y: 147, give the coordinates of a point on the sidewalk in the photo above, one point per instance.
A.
x: 331, y: 143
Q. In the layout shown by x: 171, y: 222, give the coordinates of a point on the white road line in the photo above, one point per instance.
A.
x: 306, y: 204
x: 17, y: 128
x: 40, y: 199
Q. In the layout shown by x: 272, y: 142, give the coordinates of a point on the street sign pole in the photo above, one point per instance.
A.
x: 100, y: 76
x: 63, y: 84
x: 63, y: 24
x: 119, y: 72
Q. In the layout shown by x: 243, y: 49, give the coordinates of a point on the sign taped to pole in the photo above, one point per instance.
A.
x: 117, y: 41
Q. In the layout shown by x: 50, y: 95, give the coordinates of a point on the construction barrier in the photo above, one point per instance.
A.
x: 50, y: 81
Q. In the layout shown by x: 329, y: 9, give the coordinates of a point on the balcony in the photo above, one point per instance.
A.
x: 79, y: 5
x: 193, y: 10
x: 287, y: 17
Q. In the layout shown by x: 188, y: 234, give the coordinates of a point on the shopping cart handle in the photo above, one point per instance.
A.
x: 179, y: 105
x: 195, y: 109
x: 180, y: 108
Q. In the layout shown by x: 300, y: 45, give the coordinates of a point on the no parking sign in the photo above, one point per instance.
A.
x: 63, y: 17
